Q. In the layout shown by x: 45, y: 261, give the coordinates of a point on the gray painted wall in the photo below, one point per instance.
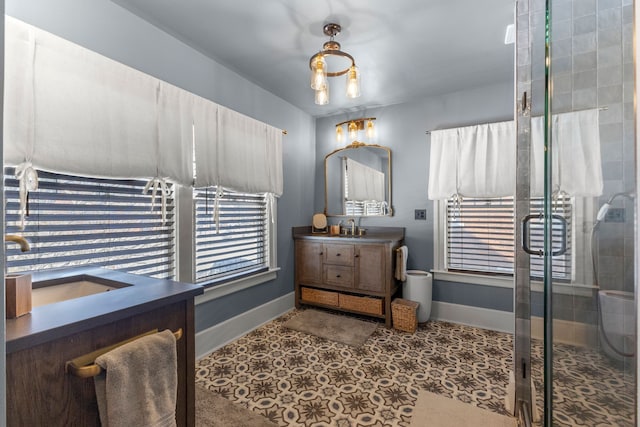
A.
x: 402, y: 127
x: 110, y: 30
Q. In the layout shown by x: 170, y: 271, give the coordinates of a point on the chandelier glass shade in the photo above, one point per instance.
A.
x: 320, y: 72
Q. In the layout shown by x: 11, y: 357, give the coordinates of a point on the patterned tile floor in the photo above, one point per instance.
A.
x: 296, y: 379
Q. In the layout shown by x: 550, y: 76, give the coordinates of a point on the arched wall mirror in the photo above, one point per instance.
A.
x: 357, y: 181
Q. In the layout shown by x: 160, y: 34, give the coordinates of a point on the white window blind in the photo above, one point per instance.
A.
x: 480, y: 236
x: 75, y: 221
x: 238, y: 244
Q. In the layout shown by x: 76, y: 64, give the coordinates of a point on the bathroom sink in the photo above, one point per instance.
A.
x: 75, y: 287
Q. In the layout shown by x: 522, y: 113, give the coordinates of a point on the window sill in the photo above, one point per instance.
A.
x: 234, y: 286
x: 577, y: 289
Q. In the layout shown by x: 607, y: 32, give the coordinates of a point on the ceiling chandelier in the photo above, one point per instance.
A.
x: 320, y: 73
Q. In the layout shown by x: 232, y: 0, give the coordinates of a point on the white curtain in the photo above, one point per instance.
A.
x: 248, y: 155
x: 71, y: 110
x: 364, y: 183
x: 90, y: 115
x: 205, y: 139
x: 576, y: 157
x: 443, y: 164
x: 487, y: 160
x: 479, y: 161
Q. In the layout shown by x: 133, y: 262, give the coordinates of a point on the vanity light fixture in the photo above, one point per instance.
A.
x: 354, y: 126
x: 320, y: 72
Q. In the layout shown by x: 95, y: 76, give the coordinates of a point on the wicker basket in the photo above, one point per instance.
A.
x: 366, y: 305
x: 320, y: 297
x: 404, y: 314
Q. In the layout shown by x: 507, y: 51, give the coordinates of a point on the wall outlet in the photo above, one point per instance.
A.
x: 614, y: 215
x: 421, y: 214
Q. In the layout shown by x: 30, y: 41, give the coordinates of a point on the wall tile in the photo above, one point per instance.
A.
x: 584, y: 7
x: 585, y: 61
x: 610, y: 133
x: 610, y: 19
x: 584, y: 80
x: 608, y: 4
x: 609, y: 76
x: 610, y: 37
x: 610, y: 56
x: 584, y: 24
x: 584, y: 43
x: 585, y: 98
x: 609, y: 94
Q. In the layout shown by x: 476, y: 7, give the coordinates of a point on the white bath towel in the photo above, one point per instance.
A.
x: 140, y: 384
x: 402, y: 253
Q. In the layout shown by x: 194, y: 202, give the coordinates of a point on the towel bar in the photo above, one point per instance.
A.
x: 85, y: 366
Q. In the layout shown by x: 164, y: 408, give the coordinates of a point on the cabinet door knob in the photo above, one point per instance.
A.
x: 337, y: 254
x: 356, y: 256
x: 337, y: 275
x: 321, y: 253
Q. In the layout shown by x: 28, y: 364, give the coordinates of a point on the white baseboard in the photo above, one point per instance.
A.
x: 230, y: 330
x: 564, y: 331
x: 496, y: 320
x: 567, y: 332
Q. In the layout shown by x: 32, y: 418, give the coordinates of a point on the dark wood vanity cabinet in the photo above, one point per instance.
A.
x: 349, y: 274
x: 40, y: 391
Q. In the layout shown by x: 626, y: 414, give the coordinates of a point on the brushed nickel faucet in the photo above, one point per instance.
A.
x: 24, y: 244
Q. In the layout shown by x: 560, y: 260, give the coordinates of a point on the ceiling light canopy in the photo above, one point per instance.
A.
x: 320, y: 72
x: 354, y: 126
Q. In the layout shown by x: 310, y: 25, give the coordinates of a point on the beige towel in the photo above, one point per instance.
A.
x: 402, y: 253
x: 140, y: 384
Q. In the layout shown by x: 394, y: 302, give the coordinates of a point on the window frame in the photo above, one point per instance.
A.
x: 185, y: 238
x: 583, y: 212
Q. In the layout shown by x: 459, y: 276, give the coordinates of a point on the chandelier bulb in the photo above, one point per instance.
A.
x: 318, y: 73
x: 353, y: 82
x: 322, y: 95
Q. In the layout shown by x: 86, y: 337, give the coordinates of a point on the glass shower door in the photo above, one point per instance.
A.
x: 575, y: 297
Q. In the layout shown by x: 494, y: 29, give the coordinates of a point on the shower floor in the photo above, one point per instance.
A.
x: 296, y: 379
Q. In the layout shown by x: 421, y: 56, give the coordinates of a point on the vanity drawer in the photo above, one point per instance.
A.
x: 338, y: 254
x: 338, y: 275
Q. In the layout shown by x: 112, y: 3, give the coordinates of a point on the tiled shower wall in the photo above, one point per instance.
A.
x: 592, y: 67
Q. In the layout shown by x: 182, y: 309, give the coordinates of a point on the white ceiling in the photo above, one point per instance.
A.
x: 405, y: 49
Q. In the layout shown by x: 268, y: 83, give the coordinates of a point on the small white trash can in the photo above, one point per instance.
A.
x: 419, y: 287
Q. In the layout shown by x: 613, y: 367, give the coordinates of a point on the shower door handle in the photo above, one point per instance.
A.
x: 526, y: 235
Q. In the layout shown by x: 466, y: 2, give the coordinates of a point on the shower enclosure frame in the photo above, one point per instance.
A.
x: 522, y: 287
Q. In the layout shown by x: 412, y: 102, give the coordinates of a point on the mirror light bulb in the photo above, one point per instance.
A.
x: 339, y: 134
x: 370, y: 132
x: 353, y: 130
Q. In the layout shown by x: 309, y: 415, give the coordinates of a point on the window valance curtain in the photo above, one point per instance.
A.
x: 71, y: 110
x: 479, y: 161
